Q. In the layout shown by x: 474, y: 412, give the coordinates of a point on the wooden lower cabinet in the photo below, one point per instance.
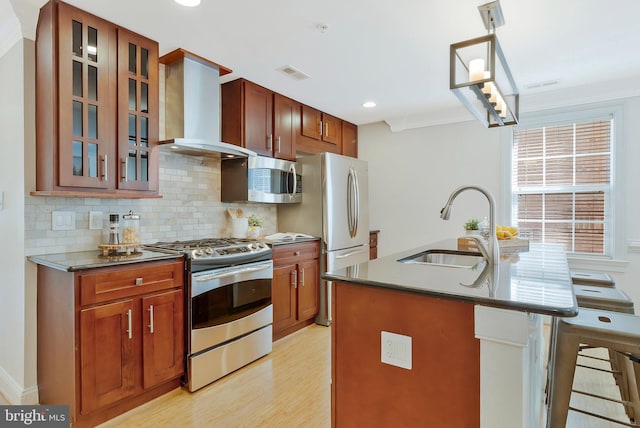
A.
x: 105, y: 358
x: 373, y: 244
x: 296, y: 286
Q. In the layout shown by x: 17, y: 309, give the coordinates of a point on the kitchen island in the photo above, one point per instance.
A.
x: 463, y: 346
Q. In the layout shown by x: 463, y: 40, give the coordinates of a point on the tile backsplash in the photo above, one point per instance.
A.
x: 190, y: 208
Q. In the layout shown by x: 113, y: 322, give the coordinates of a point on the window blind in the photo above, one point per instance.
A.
x: 561, y: 184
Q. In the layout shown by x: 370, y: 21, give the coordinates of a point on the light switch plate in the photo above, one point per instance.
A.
x: 95, y: 220
x: 396, y: 350
x: 63, y: 220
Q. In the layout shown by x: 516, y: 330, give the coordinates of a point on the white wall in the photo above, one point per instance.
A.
x: 413, y: 172
x: 16, y: 365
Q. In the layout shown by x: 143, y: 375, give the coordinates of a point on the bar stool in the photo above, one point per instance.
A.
x: 607, y: 299
x: 616, y: 331
x: 598, y: 279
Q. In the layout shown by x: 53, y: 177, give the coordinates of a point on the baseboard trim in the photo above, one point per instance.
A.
x: 14, y: 393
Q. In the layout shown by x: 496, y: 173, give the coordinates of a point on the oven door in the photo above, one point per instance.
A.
x: 229, y: 302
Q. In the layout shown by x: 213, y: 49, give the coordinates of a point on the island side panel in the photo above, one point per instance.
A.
x: 443, y: 386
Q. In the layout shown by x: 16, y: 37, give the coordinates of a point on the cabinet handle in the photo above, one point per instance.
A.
x: 294, y: 279
x: 326, y: 129
x: 279, y: 149
x: 302, y: 277
x: 139, y: 281
x: 104, y: 168
x: 320, y: 123
x: 123, y: 170
x: 296, y: 253
x: 270, y: 141
x: 129, y: 323
x: 150, y: 318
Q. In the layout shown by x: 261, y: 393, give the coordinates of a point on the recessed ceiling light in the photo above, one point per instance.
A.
x: 188, y: 3
x: 368, y: 104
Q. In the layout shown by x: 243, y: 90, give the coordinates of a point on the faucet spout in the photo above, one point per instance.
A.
x: 491, y: 253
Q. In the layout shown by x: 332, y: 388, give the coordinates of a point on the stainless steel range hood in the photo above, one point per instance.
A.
x: 192, y: 107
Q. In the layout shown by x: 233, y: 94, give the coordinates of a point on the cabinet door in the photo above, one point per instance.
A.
x: 86, y: 120
x: 258, y: 119
x: 283, y: 297
x: 349, y: 139
x: 286, y: 125
x: 311, y: 122
x: 138, y: 108
x: 107, y: 353
x: 162, y: 337
x: 308, y: 289
x: 332, y: 131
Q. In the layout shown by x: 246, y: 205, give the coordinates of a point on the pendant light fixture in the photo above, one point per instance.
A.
x: 480, y: 77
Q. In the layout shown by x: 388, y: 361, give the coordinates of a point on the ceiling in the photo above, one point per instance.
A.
x: 393, y: 53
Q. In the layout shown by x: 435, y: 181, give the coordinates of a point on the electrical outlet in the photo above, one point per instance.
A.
x: 95, y: 220
x: 396, y: 350
x: 63, y: 220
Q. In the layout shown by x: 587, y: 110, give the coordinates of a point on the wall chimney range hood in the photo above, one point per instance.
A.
x: 192, y: 107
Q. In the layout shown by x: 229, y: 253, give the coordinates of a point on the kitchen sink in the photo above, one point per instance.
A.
x: 448, y: 258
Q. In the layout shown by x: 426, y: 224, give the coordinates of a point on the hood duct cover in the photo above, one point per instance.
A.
x: 192, y: 106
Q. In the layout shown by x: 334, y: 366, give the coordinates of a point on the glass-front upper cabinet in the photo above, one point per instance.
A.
x: 86, y: 47
x: 138, y: 107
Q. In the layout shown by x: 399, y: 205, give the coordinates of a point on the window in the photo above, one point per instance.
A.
x: 561, y: 182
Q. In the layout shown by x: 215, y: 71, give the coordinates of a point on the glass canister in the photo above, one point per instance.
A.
x: 130, y: 228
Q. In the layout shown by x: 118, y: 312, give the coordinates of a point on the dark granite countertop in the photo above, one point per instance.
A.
x: 81, y: 260
x: 536, y: 281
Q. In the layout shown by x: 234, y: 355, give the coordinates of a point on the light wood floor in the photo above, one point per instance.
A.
x: 291, y: 388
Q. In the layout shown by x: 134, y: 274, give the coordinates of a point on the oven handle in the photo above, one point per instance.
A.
x: 233, y: 272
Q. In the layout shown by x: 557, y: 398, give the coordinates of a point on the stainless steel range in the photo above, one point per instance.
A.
x: 229, y: 314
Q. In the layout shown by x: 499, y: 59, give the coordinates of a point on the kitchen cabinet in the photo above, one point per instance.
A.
x: 96, y: 107
x: 109, y: 338
x: 295, y: 287
x: 259, y: 119
x: 373, y: 244
x: 320, y: 132
x: 349, y: 139
x: 286, y: 126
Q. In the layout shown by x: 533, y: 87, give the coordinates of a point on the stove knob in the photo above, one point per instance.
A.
x: 209, y: 251
x: 197, y: 253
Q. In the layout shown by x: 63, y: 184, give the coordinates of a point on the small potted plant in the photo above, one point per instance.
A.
x: 255, y: 226
x: 471, y: 226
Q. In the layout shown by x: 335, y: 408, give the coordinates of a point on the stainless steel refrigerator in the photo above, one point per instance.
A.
x: 334, y: 207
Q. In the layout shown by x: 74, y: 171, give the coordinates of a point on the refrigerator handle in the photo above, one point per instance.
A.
x: 353, y: 209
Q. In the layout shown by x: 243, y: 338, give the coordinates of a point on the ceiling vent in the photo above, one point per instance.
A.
x: 293, y: 72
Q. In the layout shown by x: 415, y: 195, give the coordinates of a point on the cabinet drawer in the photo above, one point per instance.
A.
x: 292, y: 253
x: 107, y: 284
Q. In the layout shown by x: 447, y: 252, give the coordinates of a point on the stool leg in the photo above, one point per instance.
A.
x: 631, y: 382
x: 564, y: 364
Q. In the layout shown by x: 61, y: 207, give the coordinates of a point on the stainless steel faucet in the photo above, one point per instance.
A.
x: 491, y: 251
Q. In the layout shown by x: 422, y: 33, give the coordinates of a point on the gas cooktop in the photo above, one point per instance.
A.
x: 216, y: 248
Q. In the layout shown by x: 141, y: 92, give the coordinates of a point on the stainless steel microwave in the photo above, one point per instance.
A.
x: 260, y: 179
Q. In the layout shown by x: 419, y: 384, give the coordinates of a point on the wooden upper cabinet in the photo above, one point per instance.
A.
x: 349, y: 139
x: 85, y: 71
x: 311, y: 122
x: 259, y: 119
x: 138, y: 107
x: 258, y: 107
x: 81, y: 134
x: 320, y: 132
x: 286, y: 126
